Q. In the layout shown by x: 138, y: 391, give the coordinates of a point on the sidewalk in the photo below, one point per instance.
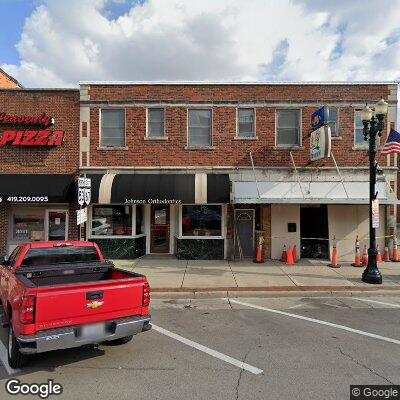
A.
x: 168, y: 274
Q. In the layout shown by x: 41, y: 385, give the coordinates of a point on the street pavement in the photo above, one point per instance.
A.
x: 170, y: 274
x: 291, y: 347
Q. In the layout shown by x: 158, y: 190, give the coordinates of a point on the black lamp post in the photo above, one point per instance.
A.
x: 373, y: 126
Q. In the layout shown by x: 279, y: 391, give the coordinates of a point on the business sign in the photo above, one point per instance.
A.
x: 39, y: 120
x: 31, y: 131
x: 81, y: 216
x: 320, y: 143
x: 319, y: 118
x: 32, y: 138
x: 375, y: 213
x: 84, y: 191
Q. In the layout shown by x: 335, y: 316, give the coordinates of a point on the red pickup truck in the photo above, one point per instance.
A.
x: 58, y: 295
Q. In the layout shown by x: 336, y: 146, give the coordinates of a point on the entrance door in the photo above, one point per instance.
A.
x: 57, y: 225
x: 314, y: 231
x: 159, y: 230
x: 244, y: 233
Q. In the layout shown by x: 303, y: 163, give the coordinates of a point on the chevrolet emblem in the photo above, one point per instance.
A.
x: 94, y: 304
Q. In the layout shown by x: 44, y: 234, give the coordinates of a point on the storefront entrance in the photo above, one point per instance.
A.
x: 244, y: 233
x: 33, y: 224
x: 159, y: 229
x: 314, y: 231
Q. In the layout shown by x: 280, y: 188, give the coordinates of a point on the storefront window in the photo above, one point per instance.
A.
x: 204, y: 220
x: 28, y: 225
x: 112, y: 221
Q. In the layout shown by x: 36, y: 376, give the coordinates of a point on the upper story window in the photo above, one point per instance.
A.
x: 155, y: 123
x: 200, y: 131
x: 246, y: 122
x: 112, y: 128
x: 333, y: 121
x: 358, y: 132
x: 288, y: 127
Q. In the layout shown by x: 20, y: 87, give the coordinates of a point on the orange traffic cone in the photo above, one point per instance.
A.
x: 395, y: 256
x: 386, y: 257
x: 294, y: 254
x: 364, y: 260
x: 357, y: 259
x: 259, y: 253
x: 378, y: 254
x: 289, y: 260
x: 284, y: 254
x: 334, y: 259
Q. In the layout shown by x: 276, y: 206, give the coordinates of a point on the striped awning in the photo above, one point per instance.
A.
x: 144, y: 188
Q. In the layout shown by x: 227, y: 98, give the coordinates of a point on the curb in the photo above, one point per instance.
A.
x: 272, y: 291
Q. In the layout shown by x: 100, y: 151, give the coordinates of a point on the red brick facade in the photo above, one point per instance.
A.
x: 227, y: 150
x: 63, y: 106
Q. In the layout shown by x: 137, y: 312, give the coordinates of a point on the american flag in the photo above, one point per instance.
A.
x: 392, y: 144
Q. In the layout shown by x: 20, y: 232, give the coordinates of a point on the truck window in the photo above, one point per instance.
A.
x: 59, y: 255
x: 14, y: 256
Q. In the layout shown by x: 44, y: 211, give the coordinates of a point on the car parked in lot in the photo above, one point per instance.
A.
x: 58, y: 295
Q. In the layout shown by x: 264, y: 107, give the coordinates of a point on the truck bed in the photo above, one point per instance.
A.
x: 72, y: 274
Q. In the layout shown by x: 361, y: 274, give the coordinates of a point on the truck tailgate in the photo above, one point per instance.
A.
x: 89, y: 302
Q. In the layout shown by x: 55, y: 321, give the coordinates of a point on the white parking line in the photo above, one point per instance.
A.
x: 318, y: 321
x: 377, y: 302
x: 207, y: 350
x: 4, y: 360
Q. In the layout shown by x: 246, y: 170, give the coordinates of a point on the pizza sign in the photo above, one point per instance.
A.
x: 32, y: 138
x: 30, y: 130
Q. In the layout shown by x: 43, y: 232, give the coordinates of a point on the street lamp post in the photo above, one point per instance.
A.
x: 373, y: 126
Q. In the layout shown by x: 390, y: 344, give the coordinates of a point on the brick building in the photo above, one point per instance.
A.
x: 7, y: 81
x: 171, y: 168
x: 39, y: 137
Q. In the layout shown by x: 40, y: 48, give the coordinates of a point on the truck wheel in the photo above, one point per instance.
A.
x: 122, y: 340
x: 15, y: 358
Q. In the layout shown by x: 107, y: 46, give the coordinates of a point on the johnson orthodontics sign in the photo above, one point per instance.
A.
x: 37, y: 133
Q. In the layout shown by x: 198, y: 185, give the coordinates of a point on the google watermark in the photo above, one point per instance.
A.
x: 374, y: 392
x: 43, y: 390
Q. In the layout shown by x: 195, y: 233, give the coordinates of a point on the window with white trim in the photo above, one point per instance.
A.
x: 200, y: 128
x: 333, y: 121
x: 155, y: 123
x: 111, y: 220
x: 202, y: 220
x: 288, y: 127
x: 246, y: 122
x: 112, y: 128
x: 358, y: 130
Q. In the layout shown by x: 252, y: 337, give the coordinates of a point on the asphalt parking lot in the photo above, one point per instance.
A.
x: 245, y: 348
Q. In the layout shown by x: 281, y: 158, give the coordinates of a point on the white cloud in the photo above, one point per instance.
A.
x: 67, y: 41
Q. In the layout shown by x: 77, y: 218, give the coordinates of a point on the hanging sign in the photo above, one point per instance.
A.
x: 375, y: 213
x: 84, y: 191
x: 318, y: 118
x: 81, y: 216
x: 320, y: 143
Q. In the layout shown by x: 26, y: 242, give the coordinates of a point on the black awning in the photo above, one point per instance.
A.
x: 46, y: 188
x: 148, y: 188
x: 157, y: 188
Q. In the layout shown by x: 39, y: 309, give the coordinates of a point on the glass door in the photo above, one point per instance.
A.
x: 57, y: 225
x: 159, y: 242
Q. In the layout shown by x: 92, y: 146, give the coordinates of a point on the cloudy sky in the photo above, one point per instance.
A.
x: 46, y: 43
